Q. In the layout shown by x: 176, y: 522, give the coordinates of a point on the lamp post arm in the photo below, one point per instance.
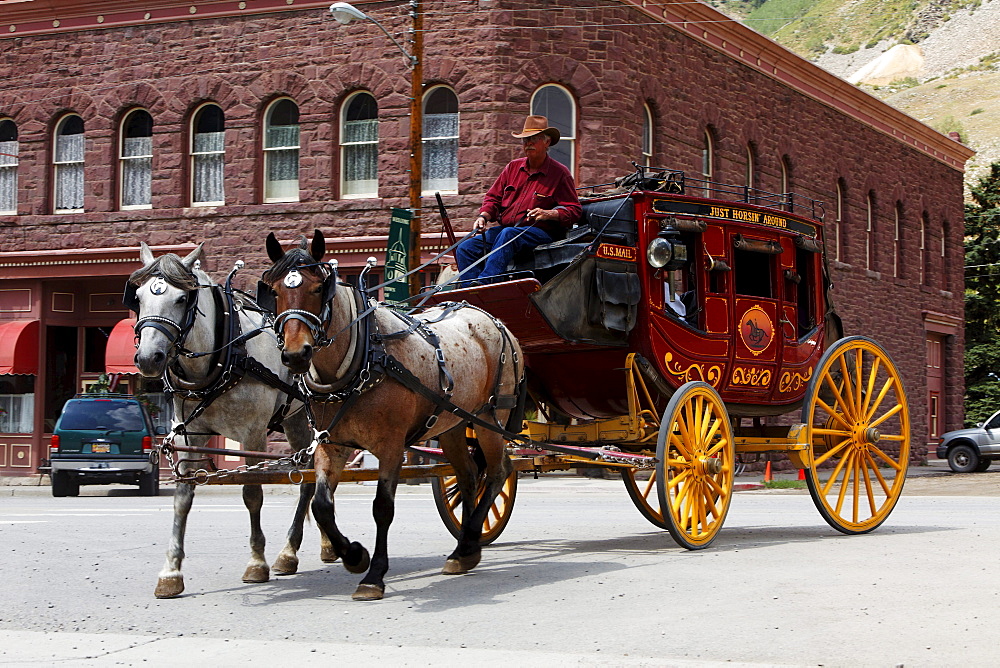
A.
x: 412, y: 59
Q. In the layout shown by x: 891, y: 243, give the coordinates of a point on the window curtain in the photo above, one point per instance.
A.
x: 17, y: 413
x: 440, y: 168
x: 361, y: 157
x: 8, y: 176
x: 282, y: 153
x: 209, y: 159
x: 137, y: 171
x: 69, y: 172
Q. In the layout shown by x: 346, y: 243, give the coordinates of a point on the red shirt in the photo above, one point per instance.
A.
x: 518, y: 190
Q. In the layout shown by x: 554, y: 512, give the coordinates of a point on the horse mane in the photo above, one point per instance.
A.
x: 171, y: 268
x: 296, y: 257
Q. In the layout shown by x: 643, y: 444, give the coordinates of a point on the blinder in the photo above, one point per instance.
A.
x: 131, y: 297
x: 266, y: 297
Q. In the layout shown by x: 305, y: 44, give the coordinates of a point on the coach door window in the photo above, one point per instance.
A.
x: 753, y: 266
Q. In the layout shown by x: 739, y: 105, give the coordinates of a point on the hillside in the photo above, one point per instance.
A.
x: 944, y: 69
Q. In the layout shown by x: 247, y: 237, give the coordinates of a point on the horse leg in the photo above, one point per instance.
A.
x: 328, y: 467
x: 287, y: 562
x: 455, y: 447
x: 171, y: 580
x: 372, y: 587
x: 257, y: 569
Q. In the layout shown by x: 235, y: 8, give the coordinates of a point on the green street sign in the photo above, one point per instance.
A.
x: 397, y: 256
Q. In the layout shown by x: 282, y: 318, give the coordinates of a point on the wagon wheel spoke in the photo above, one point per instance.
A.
x: 859, y: 432
x: 697, y: 459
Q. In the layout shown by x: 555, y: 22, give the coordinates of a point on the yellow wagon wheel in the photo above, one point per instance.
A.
x: 644, y: 495
x: 697, y: 458
x: 448, y: 500
x: 859, y: 425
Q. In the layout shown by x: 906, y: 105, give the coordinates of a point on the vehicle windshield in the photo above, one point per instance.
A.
x: 102, y: 414
x: 993, y: 422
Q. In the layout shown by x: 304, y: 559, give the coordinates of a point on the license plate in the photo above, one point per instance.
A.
x: 100, y: 447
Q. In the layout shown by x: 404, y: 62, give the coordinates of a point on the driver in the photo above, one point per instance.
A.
x: 533, y: 202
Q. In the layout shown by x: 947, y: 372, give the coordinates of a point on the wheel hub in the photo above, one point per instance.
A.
x: 709, y: 465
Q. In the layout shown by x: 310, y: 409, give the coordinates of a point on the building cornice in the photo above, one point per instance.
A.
x: 44, y: 17
x: 78, y: 262
x: 721, y: 33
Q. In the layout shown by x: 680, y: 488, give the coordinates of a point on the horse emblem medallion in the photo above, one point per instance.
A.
x: 756, y: 330
x: 293, y: 279
x: 158, y: 285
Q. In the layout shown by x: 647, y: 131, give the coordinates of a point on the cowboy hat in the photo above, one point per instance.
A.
x: 534, y: 125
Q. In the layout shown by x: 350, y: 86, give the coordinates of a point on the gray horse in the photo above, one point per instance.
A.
x: 179, y: 308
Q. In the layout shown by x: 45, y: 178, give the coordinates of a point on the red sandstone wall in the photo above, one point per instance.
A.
x: 494, y: 60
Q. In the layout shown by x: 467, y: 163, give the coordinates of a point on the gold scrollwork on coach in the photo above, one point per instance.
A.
x: 792, y: 382
x: 710, y: 374
x: 751, y: 376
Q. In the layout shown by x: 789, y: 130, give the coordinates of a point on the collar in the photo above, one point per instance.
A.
x: 541, y: 170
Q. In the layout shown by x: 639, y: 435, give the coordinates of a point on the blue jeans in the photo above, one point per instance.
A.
x: 495, y: 243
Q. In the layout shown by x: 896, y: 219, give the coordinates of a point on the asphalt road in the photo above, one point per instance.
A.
x: 578, y: 578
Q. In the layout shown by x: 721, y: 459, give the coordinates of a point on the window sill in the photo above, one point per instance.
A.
x: 206, y: 205
x: 364, y: 196
x: 62, y: 211
x: 280, y: 200
x: 137, y: 207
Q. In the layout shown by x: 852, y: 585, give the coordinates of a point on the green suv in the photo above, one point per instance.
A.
x: 104, y: 438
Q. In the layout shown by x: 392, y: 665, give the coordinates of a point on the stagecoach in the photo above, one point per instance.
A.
x: 684, y: 329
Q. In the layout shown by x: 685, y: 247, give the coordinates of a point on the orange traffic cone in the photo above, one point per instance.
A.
x: 767, y: 473
x: 802, y: 474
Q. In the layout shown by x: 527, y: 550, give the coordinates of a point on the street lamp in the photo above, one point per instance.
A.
x: 344, y: 13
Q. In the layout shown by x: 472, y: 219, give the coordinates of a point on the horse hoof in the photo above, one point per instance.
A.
x: 357, y: 560
x: 461, y: 565
x: 285, y: 564
x: 169, y: 587
x: 367, y: 592
x: 256, y: 573
x: 328, y: 555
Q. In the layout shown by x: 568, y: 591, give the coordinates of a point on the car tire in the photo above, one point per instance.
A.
x: 963, y: 458
x: 63, y: 484
x: 984, y: 463
x: 149, y: 483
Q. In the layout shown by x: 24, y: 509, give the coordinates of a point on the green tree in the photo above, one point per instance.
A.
x: 982, y: 299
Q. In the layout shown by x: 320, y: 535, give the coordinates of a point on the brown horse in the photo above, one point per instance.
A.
x: 372, y: 374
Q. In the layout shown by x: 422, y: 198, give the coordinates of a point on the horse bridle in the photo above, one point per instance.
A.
x: 317, y: 324
x: 175, y: 332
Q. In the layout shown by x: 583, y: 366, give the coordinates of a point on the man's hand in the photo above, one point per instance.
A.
x: 543, y: 214
x: 479, y: 225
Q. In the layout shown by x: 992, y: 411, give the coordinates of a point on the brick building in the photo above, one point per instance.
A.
x: 175, y: 123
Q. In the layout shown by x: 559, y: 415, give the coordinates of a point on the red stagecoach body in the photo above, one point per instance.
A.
x: 740, y: 304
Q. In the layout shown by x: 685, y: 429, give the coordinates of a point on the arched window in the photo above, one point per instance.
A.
x: 870, y: 231
x: 208, y: 156
x: 440, y: 140
x: 897, y: 239
x: 135, y: 160
x: 8, y: 166
x: 839, y: 236
x: 281, y: 152
x: 67, y: 159
x: 707, y: 160
x: 945, y: 265
x: 786, y: 183
x: 556, y: 104
x: 750, y: 173
x: 359, y: 146
x: 924, y: 230
x: 647, y: 135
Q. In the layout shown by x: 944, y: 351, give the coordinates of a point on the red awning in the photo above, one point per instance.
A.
x: 19, y: 346
x: 120, y: 352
